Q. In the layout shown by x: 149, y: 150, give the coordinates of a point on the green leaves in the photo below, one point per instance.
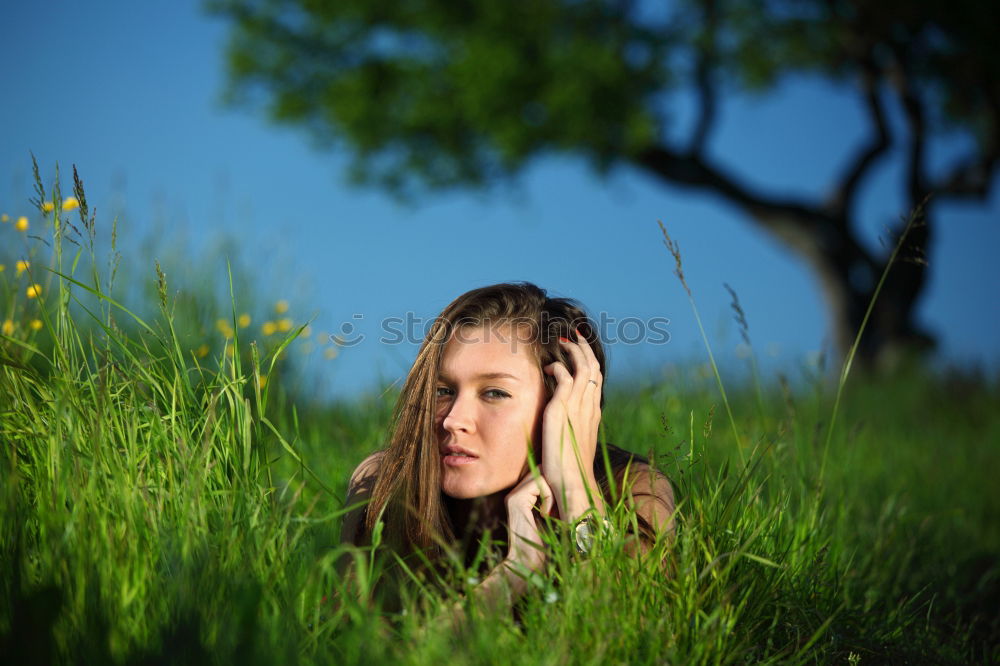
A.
x: 438, y: 95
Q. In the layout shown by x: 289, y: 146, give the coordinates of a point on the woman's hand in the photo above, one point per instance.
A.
x: 568, y: 458
x: 524, y: 541
x: 509, y: 581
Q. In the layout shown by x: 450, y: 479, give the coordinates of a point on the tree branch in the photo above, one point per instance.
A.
x: 913, y: 109
x: 972, y: 178
x: 704, y: 86
x: 809, y: 228
x: 843, y: 199
x: 969, y: 180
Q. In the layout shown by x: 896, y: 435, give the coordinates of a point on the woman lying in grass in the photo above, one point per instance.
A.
x: 496, y: 426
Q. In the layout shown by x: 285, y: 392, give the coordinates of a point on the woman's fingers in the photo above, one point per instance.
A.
x: 587, y: 369
x: 581, y: 365
x: 545, y: 493
x: 532, y: 491
x: 564, y: 383
x: 525, y: 542
x: 595, y: 365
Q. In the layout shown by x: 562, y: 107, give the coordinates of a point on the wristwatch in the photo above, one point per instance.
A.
x: 585, y: 530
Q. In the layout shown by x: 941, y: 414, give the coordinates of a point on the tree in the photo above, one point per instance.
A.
x: 438, y: 93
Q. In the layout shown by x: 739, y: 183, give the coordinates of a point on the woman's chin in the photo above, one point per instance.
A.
x: 457, y: 488
x: 459, y: 493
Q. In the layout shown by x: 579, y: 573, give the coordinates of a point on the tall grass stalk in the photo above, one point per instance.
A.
x: 675, y: 252
x: 915, y: 217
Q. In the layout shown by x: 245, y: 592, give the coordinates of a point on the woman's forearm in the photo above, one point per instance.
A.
x: 578, y: 498
x: 501, y: 588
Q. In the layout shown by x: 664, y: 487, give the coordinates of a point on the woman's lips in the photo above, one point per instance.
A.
x: 456, y: 456
x: 457, y: 460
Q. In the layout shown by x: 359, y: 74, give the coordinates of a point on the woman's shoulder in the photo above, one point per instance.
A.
x: 648, y: 489
x: 364, y: 475
x: 621, y: 462
x: 359, y: 490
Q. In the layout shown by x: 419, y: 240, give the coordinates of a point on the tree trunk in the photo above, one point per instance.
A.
x: 824, y: 238
x: 848, y: 279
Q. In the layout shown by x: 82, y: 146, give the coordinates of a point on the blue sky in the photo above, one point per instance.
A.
x: 131, y: 94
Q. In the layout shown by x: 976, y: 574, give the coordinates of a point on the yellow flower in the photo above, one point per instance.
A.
x: 262, y: 382
x: 330, y: 353
x: 3, y: 267
x: 21, y: 266
x: 33, y: 290
x: 8, y: 327
x: 224, y: 328
x: 35, y: 324
x: 281, y: 307
x: 306, y: 332
x: 284, y: 324
x: 202, y: 351
x: 5, y: 218
x: 268, y: 328
x: 230, y: 351
x: 70, y: 203
x: 244, y: 320
x: 21, y: 224
x: 48, y: 206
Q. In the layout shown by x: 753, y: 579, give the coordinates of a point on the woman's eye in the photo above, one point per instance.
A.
x: 443, y: 392
x: 496, y: 394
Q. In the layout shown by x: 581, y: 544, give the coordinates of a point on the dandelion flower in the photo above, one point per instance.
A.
x: 284, y: 324
x: 244, y: 320
x: 8, y: 327
x: 48, y: 206
x: 330, y: 353
x: 21, y: 224
x: 268, y: 328
x: 223, y: 326
x: 262, y: 381
x: 5, y: 218
x: 202, y: 351
x: 21, y: 266
x: 36, y: 324
x: 281, y: 307
x: 33, y: 290
x: 70, y: 203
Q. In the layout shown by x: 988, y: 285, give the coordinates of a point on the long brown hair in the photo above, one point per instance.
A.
x: 407, y: 492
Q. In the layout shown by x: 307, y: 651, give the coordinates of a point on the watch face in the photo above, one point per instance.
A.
x: 585, y: 531
x: 584, y: 537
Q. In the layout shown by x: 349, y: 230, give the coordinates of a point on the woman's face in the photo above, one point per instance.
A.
x: 489, y: 407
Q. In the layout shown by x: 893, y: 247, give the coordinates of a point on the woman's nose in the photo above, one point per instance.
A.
x: 458, y: 416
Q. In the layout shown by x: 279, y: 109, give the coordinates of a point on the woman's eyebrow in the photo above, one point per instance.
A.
x: 486, y: 375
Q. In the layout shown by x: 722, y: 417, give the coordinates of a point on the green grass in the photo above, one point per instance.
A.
x: 160, y: 507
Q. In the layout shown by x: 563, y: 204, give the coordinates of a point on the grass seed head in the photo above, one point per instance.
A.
x: 739, y: 314
x: 675, y: 251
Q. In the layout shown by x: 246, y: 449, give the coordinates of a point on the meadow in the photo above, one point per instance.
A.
x: 166, y: 499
